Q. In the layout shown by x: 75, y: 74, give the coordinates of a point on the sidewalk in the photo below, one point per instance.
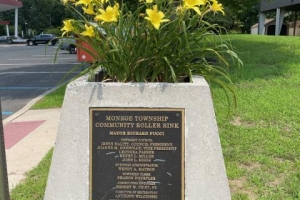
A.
x: 28, y: 137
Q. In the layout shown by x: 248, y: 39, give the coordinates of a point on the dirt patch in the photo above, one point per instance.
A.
x: 240, y: 186
x: 250, y: 166
x: 278, y: 180
x: 237, y: 121
x: 280, y: 160
x: 287, y: 129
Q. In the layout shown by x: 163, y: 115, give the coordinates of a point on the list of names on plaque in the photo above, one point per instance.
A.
x: 136, y: 154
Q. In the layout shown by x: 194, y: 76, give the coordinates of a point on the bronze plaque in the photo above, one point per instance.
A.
x: 136, y: 153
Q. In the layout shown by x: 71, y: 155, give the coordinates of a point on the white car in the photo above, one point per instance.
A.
x: 18, y: 40
x: 68, y: 44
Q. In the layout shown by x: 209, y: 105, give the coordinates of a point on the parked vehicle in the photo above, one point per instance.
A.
x: 68, y: 44
x: 18, y: 40
x: 49, y: 39
x: 5, y: 40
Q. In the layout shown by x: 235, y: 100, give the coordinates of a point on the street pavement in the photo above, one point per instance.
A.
x: 28, y: 71
x: 28, y: 135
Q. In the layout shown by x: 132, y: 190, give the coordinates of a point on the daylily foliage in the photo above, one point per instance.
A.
x: 161, y: 41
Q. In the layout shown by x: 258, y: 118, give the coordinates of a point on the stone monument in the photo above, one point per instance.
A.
x: 119, y: 141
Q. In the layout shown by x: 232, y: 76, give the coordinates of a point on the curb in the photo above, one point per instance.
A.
x: 28, y: 105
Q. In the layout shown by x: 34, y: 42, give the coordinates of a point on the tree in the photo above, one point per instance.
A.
x: 38, y: 14
x: 42, y: 14
x: 244, y: 12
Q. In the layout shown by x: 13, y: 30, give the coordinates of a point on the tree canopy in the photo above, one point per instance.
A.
x: 244, y: 13
x: 40, y: 15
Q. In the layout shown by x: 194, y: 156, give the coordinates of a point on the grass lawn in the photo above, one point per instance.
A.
x: 260, y: 139
x: 52, y: 100
x: 33, y: 187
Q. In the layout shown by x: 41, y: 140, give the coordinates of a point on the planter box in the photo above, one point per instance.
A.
x: 82, y: 55
x: 197, y: 168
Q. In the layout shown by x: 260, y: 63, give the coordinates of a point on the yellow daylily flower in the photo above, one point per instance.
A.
x: 89, y: 10
x: 216, y: 6
x: 147, y: 1
x: 111, y: 14
x: 68, y: 27
x: 179, y: 10
x: 193, y: 4
x: 66, y: 1
x: 155, y: 17
x: 101, y: 1
x: 84, y: 2
x: 89, y: 31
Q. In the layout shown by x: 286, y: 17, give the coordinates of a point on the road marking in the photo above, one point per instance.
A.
x: 12, y: 45
x: 25, y: 64
x: 25, y: 88
x: 39, y: 58
x: 6, y: 113
x: 16, y: 131
x: 41, y: 55
x: 75, y: 72
x: 58, y: 56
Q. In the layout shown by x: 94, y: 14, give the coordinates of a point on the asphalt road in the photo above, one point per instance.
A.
x: 29, y: 71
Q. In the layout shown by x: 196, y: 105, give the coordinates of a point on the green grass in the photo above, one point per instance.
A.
x: 52, y: 100
x: 33, y: 187
x: 260, y: 139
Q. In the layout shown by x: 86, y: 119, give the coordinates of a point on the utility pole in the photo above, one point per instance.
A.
x: 49, y: 15
x: 4, y: 191
x: 25, y: 29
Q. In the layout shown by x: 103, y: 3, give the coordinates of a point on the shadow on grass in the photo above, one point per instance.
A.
x: 265, y: 57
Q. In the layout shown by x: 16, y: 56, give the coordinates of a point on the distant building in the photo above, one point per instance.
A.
x: 270, y: 27
x: 289, y: 29
x: 294, y: 28
x: 281, y: 7
x: 10, y: 5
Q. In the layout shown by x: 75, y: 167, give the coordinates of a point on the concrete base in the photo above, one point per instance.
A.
x: 205, y: 175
